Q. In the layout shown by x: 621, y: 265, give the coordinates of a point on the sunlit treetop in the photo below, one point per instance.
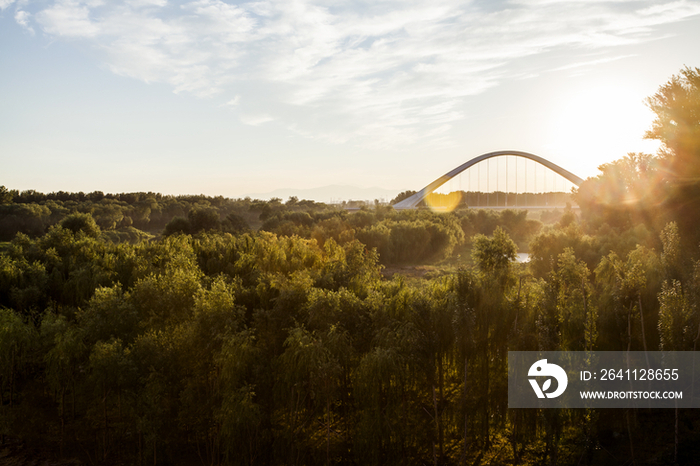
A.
x: 677, y: 124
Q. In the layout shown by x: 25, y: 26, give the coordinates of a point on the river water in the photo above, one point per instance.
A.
x: 522, y: 257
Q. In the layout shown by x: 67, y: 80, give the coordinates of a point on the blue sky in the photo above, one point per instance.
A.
x: 231, y: 98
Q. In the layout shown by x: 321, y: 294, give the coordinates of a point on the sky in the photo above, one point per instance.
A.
x: 230, y: 98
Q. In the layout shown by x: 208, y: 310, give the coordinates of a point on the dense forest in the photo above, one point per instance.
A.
x: 147, y: 329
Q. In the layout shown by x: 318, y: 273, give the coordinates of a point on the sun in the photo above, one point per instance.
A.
x: 600, y: 124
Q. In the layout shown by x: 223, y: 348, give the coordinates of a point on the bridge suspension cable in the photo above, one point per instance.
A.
x: 413, y: 201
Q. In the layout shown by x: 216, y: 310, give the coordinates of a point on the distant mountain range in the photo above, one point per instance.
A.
x: 331, y: 194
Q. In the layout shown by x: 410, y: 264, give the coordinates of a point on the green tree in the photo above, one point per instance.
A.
x: 203, y: 219
x: 239, y: 415
x: 401, y: 196
x: 675, y: 308
x: 494, y: 255
x: 672, y: 258
x: 16, y: 338
x: 111, y: 372
x: 577, y: 315
x: 310, y: 373
x: 177, y: 225
x: 6, y: 195
x: 84, y: 223
x: 109, y: 315
x: 492, y: 319
x: 64, y: 356
x: 234, y: 223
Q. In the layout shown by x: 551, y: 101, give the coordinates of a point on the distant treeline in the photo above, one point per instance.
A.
x: 398, y: 236
x: 32, y: 212
x: 500, y: 199
x: 490, y: 199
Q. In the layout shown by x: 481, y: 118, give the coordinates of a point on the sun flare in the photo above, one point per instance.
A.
x: 602, y: 123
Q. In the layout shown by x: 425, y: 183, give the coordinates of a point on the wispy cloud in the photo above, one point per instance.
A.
x: 22, y: 18
x: 255, y: 120
x: 386, y: 74
x: 597, y: 61
x: 234, y: 102
x: 5, y: 3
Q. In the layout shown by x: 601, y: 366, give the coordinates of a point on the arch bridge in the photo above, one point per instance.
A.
x: 413, y: 201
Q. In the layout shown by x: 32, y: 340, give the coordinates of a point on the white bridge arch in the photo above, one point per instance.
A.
x: 413, y: 201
